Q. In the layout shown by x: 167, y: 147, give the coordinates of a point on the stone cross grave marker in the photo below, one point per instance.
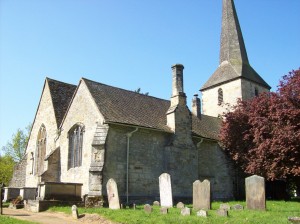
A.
x: 255, y: 193
x: 165, y: 190
x: 112, y: 194
x: 201, y: 195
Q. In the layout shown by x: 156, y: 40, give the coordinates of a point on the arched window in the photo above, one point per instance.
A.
x: 220, y: 96
x: 256, y: 91
x: 41, y: 151
x: 75, y: 146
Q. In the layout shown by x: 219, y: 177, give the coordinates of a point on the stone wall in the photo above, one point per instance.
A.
x: 248, y: 89
x: 84, y: 111
x: 231, y: 92
x: 146, y: 160
x: 44, y: 116
x: 217, y: 167
x: 18, y: 179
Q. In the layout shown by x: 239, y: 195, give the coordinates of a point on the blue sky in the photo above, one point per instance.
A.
x: 131, y: 44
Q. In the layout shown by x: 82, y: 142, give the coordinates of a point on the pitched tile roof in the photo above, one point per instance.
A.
x: 61, y: 94
x: 128, y: 107
x: 227, y: 72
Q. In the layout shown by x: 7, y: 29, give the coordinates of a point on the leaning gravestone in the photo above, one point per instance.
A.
x: 112, y: 194
x: 225, y: 206
x: 165, y: 190
x: 202, y: 213
x: 255, y: 193
x: 201, y: 195
x: 164, y: 211
x: 222, y: 212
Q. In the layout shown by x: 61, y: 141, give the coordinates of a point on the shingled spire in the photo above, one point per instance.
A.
x: 232, y: 43
x: 234, y: 62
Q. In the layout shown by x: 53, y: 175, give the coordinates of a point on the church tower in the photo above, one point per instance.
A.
x: 234, y: 78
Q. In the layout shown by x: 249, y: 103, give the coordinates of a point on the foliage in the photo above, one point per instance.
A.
x: 139, y: 91
x: 277, y: 212
x: 16, y: 147
x: 263, y: 134
x: 7, y: 167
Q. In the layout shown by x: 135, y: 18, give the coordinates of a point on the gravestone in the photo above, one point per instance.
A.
x: 148, y: 209
x: 202, y: 213
x: 165, y: 190
x: 225, y: 206
x: 156, y: 203
x: 180, y: 205
x: 255, y: 193
x: 186, y: 211
x: 201, y: 195
x: 164, y: 210
x: 74, y: 212
x: 112, y: 194
x: 294, y: 219
x: 222, y: 212
x: 237, y: 207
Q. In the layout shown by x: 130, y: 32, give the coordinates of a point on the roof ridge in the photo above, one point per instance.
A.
x: 54, y: 80
x: 131, y: 91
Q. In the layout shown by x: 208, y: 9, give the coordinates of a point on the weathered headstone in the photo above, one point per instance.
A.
x: 294, y: 219
x: 156, y: 203
x: 148, y: 209
x: 237, y: 207
x: 165, y: 190
x: 201, y: 195
x: 222, y: 212
x: 180, y: 205
x: 74, y: 212
x: 225, y: 206
x: 112, y: 194
x: 255, y: 193
x: 164, y: 210
x: 202, y: 213
x: 186, y: 211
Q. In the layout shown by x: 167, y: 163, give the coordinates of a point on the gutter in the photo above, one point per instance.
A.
x: 128, y: 135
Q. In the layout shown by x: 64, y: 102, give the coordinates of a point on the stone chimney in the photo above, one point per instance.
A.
x: 196, y: 106
x: 178, y: 115
x: 178, y: 95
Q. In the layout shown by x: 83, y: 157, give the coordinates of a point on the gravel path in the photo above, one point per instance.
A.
x: 54, y: 217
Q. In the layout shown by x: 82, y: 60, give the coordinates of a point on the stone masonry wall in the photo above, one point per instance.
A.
x: 83, y: 110
x: 215, y: 166
x: 146, y: 160
x: 44, y: 116
x: 18, y: 179
x: 231, y: 92
x: 249, y: 89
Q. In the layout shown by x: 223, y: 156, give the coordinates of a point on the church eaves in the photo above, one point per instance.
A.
x: 234, y: 61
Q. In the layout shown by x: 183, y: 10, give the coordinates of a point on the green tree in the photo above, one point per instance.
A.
x: 7, y: 166
x: 15, y: 148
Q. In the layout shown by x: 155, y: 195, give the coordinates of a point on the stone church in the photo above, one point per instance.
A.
x: 86, y: 134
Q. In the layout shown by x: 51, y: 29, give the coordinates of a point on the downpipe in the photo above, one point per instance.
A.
x: 128, y: 135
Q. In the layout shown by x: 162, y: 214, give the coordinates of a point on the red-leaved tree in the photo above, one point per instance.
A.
x: 263, y: 134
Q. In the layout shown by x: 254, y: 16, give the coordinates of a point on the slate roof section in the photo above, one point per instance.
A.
x: 127, y: 107
x: 61, y: 94
x: 226, y: 73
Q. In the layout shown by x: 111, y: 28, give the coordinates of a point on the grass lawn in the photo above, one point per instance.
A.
x: 277, y: 212
x: 9, y: 220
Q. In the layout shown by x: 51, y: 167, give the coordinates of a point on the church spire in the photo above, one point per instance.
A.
x: 234, y: 62
x: 232, y: 43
